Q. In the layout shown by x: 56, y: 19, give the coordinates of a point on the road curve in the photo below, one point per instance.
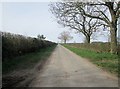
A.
x: 66, y: 69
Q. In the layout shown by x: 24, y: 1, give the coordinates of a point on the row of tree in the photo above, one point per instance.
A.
x: 88, y: 17
x: 16, y: 45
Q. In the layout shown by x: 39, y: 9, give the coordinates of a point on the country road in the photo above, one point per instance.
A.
x: 66, y: 69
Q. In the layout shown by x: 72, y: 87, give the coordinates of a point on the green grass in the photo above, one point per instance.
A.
x: 26, y: 61
x: 106, y: 61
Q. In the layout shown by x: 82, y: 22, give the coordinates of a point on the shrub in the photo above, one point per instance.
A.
x: 16, y: 45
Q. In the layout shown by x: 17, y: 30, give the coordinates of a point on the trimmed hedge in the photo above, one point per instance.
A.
x: 16, y: 45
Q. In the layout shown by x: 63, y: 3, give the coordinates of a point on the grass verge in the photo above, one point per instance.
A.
x: 26, y: 61
x: 106, y: 61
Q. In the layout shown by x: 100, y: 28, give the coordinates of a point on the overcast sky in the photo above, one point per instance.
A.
x: 33, y: 18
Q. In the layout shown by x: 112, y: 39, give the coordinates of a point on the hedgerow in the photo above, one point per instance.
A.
x: 16, y: 45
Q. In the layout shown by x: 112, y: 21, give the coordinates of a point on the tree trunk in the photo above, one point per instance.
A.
x: 65, y: 41
x: 113, y: 28
x: 113, y: 31
x: 88, y: 39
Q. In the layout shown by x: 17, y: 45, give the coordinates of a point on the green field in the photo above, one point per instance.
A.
x: 104, y: 60
x: 26, y: 61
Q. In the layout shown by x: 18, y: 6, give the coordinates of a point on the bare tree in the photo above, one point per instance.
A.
x: 67, y: 15
x: 107, y: 12
x: 65, y: 36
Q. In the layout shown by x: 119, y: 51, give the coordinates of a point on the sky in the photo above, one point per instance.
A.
x: 33, y: 18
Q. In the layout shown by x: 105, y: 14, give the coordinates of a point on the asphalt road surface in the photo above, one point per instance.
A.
x: 66, y: 69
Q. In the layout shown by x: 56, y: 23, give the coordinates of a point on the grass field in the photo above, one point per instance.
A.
x: 26, y: 61
x: 105, y: 60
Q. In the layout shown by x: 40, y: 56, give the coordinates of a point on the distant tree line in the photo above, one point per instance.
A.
x: 16, y: 45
